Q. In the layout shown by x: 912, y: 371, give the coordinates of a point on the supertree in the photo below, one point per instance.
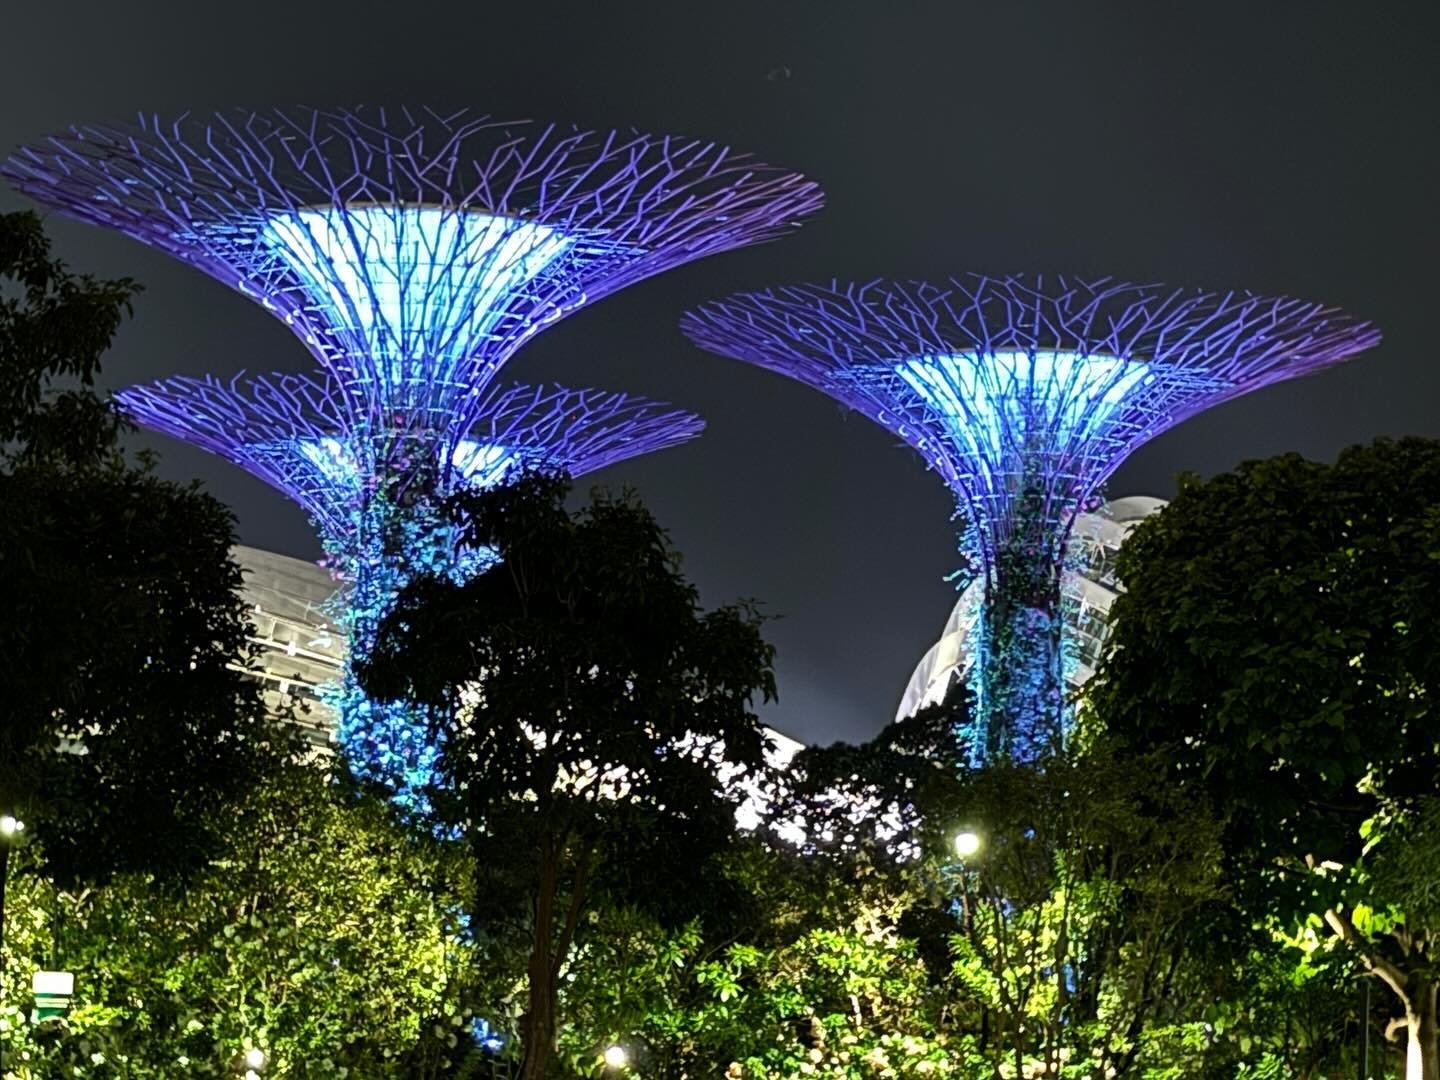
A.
x: 413, y: 252
x: 290, y: 431
x: 1024, y: 394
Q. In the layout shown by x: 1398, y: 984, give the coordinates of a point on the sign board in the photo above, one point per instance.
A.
x: 53, y: 991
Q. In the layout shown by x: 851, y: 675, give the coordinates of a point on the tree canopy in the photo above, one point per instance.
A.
x: 1279, y: 646
x: 126, y: 716
x: 590, y: 709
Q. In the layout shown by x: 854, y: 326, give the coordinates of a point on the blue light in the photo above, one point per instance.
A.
x: 490, y: 1040
x: 482, y: 464
x: 1001, y: 403
x: 478, y: 464
x: 415, y: 287
x: 333, y: 458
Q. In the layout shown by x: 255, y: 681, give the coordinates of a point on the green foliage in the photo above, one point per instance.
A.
x: 123, y: 622
x: 1279, y: 648
x: 1280, y: 639
x: 818, y: 981
x: 323, y: 934
x: 123, y: 629
x: 53, y: 325
x: 1075, y: 944
x: 588, y: 702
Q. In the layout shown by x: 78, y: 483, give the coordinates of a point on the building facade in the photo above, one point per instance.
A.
x: 301, y: 648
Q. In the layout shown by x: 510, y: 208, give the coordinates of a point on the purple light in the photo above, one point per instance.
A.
x: 292, y: 432
x: 1024, y: 394
x: 412, y: 252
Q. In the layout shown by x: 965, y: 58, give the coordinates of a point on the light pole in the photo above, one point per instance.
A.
x: 11, y: 830
x: 967, y: 843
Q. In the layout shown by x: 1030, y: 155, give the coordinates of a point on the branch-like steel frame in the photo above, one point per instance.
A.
x: 292, y: 432
x: 412, y: 251
x: 1024, y: 393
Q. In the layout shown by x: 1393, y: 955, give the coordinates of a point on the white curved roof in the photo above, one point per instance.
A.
x: 1089, y: 590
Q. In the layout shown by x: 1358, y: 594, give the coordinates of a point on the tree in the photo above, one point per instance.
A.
x: 53, y: 325
x: 321, y: 933
x: 126, y: 719
x: 589, y: 702
x: 1279, y: 648
x: 1063, y: 943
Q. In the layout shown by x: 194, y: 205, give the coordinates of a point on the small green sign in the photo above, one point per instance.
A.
x: 53, y: 991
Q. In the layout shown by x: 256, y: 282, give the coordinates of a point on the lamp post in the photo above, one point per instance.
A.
x: 11, y: 829
x: 967, y: 843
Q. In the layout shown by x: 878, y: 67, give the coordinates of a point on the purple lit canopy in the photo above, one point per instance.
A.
x: 1024, y: 394
x: 412, y: 251
x: 291, y: 432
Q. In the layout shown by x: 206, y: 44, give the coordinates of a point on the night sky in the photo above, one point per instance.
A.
x: 1279, y: 147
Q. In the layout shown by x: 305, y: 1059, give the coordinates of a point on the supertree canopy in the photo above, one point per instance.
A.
x: 292, y: 432
x: 1025, y: 393
x: 413, y: 252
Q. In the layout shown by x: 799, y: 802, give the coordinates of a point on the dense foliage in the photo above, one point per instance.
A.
x: 128, y: 724
x: 1279, y: 648
x: 1247, y: 820
x: 588, y: 704
x: 323, y: 935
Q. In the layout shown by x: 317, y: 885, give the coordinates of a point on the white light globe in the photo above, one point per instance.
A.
x: 616, y: 1057
x: 255, y: 1058
x: 967, y: 843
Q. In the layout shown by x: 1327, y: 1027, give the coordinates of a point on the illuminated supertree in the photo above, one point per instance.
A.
x: 413, y: 252
x: 291, y: 431
x: 1024, y: 394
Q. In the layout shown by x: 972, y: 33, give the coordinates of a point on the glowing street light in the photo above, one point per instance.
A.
x: 968, y: 842
x: 10, y: 825
x: 616, y: 1057
x: 255, y: 1060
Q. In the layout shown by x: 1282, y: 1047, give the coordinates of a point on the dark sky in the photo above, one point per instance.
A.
x: 1280, y: 147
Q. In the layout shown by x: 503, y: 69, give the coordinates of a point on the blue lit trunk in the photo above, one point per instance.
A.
x: 399, y: 535
x: 1021, y: 664
x: 1022, y: 676
x: 389, y: 743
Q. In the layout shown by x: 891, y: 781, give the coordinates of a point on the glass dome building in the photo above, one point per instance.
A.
x: 1088, y: 588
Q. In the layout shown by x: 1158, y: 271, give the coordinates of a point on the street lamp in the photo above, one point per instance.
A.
x: 968, y: 843
x: 11, y: 825
x: 616, y: 1057
x: 255, y: 1060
